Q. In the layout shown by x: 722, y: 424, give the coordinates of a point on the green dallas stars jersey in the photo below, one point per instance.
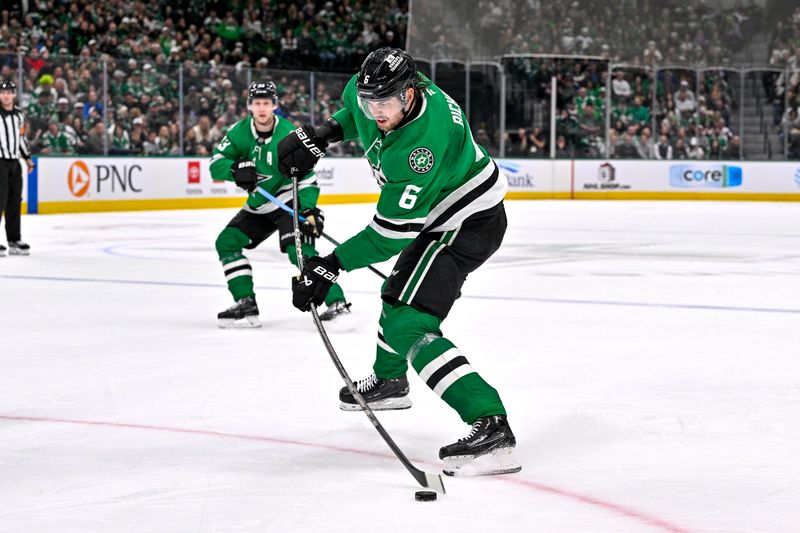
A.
x: 242, y: 142
x: 432, y: 174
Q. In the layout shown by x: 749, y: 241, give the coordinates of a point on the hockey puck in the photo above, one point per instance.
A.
x: 425, y: 496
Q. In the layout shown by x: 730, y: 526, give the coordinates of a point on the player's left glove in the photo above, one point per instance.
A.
x: 313, y: 223
x: 313, y: 284
x: 299, y: 151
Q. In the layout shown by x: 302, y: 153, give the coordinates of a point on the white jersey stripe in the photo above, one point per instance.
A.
x: 391, y: 234
x: 424, y: 272
x: 385, y: 346
x: 452, y: 377
x: 438, y: 363
x: 238, y: 262
x: 239, y: 273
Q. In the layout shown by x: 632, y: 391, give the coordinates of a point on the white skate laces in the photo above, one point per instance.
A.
x: 365, y: 384
x: 476, y: 426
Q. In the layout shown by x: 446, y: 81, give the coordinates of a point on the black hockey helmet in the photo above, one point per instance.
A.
x: 8, y: 85
x: 386, y: 72
x: 262, y: 89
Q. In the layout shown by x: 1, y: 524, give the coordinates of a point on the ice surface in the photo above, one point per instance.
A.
x: 647, y: 353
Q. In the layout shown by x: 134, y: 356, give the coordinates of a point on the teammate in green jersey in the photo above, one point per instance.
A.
x: 247, y: 155
x: 441, y: 209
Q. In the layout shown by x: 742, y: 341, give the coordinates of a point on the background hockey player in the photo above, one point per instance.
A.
x: 248, y: 156
x: 441, y: 209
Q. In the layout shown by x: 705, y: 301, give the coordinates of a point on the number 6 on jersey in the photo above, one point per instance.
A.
x: 408, y: 198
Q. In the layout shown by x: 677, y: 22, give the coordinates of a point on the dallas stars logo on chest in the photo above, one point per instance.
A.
x: 421, y: 160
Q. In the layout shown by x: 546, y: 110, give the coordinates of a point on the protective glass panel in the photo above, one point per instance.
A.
x: 62, y: 97
x: 214, y: 99
x: 631, y: 119
x: 328, y: 89
x: 484, y: 104
x: 715, y: 131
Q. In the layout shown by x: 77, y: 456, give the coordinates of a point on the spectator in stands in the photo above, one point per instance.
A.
x: 627, y: 149
x: 588, y: 132
x: 651, y: 54
x: 790, y: 126
x: 79, y: 135
x: 714, y: 150
x: 563, y: 151
x: 202, y: 132
x: 517, y: 146
x: 120, y: 141
x: 55, y: 142
x: 95, y: 143
x: 644, y: 144
x: 695, y: 150
x: 662, y: 149
x: 684, y: 103
x: 732, y: 151
x: 621, y: 88
x: 138, y: 136
x: 537, y: 143
x: 92, y: 106
x: 679, y: 150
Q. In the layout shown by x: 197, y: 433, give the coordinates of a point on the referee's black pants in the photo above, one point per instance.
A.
x: 11, y: 196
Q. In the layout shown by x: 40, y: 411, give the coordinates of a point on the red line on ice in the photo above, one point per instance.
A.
x: 590, y: 500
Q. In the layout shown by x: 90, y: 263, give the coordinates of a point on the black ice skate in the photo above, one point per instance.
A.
x: 243, y: 314
x: 334, y: 310
x: 487, y: 450
x: 380, y: 394
x: 2, y: 250
x: 18, y: 248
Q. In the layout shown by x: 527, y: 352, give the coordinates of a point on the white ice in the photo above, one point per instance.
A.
x: 647, y: 353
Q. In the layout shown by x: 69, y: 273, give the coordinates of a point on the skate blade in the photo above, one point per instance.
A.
x: 12, y: 251
x: 500, y: 461
x: 389, y: 404
x: 247, y: 322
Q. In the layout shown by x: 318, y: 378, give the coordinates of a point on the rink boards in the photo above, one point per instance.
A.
x: 86, y: 184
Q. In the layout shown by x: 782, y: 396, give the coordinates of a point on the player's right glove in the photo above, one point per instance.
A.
x: 313, y: 223
x: 244, y: 174
x: 299, y: 151
x: 316, y: 280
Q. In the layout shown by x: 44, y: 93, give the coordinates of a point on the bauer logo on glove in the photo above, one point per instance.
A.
x: 316, y: 280
x: 244, y: 174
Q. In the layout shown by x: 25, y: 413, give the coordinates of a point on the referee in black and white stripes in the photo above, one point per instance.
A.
x: 12, y: 146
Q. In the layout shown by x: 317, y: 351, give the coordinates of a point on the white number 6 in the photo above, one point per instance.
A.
x: 407, y: 199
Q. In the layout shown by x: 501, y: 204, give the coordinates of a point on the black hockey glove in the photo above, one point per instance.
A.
x: 244, y: 174
x: 313, y: 284
x: 299, y: 151
x: 313, y: 223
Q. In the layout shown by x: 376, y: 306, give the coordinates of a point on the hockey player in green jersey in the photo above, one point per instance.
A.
x: 441, y: 209
x: 247, y: 155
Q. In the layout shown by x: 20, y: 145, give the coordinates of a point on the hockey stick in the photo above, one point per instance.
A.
x: 289, y: 210
x: 432, y: 481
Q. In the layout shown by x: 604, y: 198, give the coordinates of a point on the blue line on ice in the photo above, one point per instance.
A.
x: 699, y: 307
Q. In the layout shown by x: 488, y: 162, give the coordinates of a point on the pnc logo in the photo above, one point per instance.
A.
x: 78, y: 179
